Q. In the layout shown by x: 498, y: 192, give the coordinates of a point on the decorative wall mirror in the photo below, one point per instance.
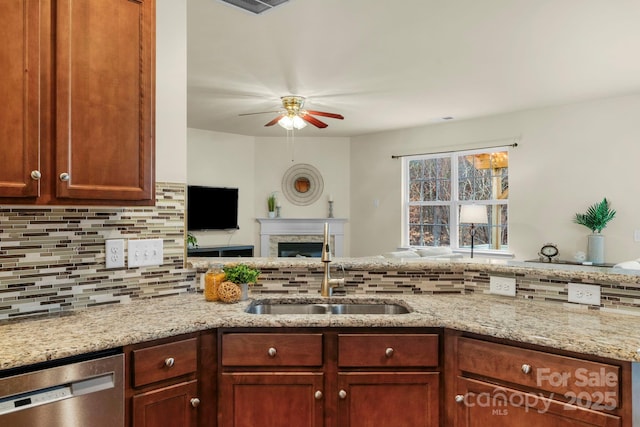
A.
x: 302, y: 184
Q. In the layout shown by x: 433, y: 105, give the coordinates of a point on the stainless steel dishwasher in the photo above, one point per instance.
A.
x: 79, y: 393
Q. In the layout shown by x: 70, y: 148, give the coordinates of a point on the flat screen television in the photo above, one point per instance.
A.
x: 212, y: 208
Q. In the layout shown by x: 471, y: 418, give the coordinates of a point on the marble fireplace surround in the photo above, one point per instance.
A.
x: 276, y: 230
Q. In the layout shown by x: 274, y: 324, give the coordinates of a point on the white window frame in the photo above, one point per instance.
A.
x: 454, y: 203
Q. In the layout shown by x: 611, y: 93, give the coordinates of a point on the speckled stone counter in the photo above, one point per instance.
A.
x: 553, y: 325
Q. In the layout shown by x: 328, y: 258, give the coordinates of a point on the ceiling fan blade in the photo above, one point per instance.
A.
x: 310, y: 119
x: 261, y: 112
x: 322, y: 113
x: 274, y: 121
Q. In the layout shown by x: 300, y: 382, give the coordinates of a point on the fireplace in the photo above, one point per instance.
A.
x: 274, y: 231
x: 300, y: 249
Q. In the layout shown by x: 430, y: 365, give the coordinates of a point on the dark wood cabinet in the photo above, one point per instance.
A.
x: 501, y: 384
x: 272, y: 399
x: 80, y: 106
x: 163, y: 383
x: 169, y: 406
x: 388, y: 399
x: 329, y: 378
x: 20, y: 55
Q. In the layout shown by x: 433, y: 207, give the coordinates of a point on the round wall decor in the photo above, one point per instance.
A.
x: 302, y: 184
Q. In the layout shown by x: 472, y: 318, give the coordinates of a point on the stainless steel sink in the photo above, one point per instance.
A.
x: 267, y: 307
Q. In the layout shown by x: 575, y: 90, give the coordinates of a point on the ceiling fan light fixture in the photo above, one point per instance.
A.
x: 292, y: 122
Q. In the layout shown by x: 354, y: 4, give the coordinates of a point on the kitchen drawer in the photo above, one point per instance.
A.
x: 567, y: 378
x: 271, y: 350
x: 164, y: 361
x: 387, y: 350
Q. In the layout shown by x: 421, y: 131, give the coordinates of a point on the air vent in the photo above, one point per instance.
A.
x: 255, y: 6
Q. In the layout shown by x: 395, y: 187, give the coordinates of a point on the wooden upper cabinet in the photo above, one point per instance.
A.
x: 78, y: 97
x: 104, y: 81
x: 19, y: 91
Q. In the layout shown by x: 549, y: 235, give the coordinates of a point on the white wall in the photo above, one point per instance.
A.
x: 224, y: 160
x: 171, y: 91
x: 256, y: 166
x: 569, y: 157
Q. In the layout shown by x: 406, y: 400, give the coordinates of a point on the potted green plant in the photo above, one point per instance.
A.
x: 271, y: 205
x: 192, y: 241
x: 242, y: 275
x: 596, y: 219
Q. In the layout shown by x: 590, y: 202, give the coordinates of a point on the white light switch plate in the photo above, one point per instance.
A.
x: 584, y: 294
x: 145, y: 252
x: 502, y: 286
x: 114, y: 253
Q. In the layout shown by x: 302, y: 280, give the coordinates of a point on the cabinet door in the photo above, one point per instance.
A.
x: 388, y: 399
x: 19, y: 86
x: 482, y: 404
x: 105, y: 99
x: 274, y: 399
x: 169, y: 406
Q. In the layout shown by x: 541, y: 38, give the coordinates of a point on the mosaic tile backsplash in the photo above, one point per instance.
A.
x: 52, y: 259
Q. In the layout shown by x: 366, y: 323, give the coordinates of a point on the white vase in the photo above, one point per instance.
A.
x: 272, y: 214
x: 595, y: 248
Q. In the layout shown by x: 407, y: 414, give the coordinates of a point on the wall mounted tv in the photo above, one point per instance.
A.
x: 212, y: 208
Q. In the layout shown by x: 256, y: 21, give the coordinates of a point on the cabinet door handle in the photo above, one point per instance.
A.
x: 342, y: 394
x: 318, y: 395
x: 195, y: 402
x: 526, y: 369
x: 64, y: 176
x: 388, y: 352
x: 459, y: 398
x: 169, y: 362
x: 272, y: 352
x: 36, y: 175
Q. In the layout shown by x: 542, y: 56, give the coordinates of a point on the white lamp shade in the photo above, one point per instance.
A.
x: 290, y: 123
x: 473, y: 214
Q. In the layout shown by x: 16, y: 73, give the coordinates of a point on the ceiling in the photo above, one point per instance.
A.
x: 394, y: 64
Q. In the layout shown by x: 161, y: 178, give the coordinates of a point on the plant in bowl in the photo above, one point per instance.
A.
x: 240, y: 273
x: 271, y: 202
x: 596, y: 217
x: 192, y: 241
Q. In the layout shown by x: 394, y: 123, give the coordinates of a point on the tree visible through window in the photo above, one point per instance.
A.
x: 437, y: 185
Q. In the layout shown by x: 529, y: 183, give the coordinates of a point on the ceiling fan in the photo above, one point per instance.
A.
x: 295, y: 117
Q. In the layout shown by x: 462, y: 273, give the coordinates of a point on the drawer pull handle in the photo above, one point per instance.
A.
x: 169, y: 362
x: 318, y: 395
x: 342, y: 394
x: 388, y: 352
x: 195, y: 402
x: 459, y: 398
x: 272, y: 352
x: 36, y: 175
x: 526, y: 369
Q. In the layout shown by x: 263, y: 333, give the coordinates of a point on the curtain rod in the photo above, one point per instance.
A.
x: 399, y: 156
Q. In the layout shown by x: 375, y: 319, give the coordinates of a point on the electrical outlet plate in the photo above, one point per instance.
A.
x: 145, y: 252
x: 114, y: 253
x: 584, y: 294
x: 502, y: 286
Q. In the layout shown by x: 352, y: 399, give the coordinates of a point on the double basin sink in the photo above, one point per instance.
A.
x: 297, y: 307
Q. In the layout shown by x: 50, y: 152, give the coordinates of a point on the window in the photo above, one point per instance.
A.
x: 436, y: 186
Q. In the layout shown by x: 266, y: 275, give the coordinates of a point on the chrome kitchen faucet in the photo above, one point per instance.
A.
x: 326, y: 289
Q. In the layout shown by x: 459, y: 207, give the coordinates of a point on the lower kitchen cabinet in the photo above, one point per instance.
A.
x: 329, y: 377
x: 500, y: 384
x: 388, y: 399
x: 170, y: 406
x: 275, y: 399
x: 162, y: 383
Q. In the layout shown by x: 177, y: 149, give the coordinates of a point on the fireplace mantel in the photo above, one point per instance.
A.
x: 300, y: 226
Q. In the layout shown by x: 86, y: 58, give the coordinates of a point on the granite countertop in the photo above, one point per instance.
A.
x: 506, y: 266
x: 558, y: 326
